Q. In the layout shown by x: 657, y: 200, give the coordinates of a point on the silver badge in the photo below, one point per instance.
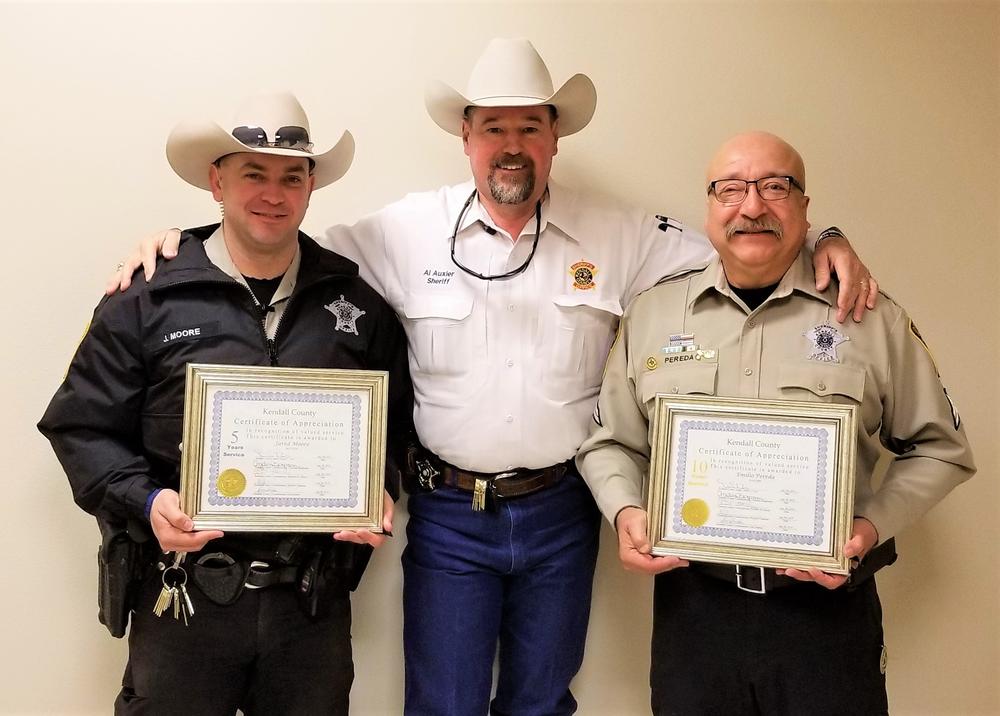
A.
x: 346, y: 313
x: 825, y: 339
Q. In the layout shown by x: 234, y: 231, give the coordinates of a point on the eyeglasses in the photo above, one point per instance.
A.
x: 734, y: 191
x: 284, y: 138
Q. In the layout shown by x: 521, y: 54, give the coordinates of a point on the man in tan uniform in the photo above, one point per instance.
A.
x: 796, y: 641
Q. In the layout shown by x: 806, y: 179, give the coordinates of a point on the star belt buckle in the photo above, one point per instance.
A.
x: 426, y: 475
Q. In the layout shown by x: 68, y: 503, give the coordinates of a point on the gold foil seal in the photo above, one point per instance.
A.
x: 695, y: 512
x: 231, y: 483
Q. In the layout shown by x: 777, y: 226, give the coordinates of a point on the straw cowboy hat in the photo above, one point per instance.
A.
x: 511, y: 73
x: 269, y: 123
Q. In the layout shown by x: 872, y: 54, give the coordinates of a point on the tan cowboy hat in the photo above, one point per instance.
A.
x: 511, y: 73
x: 268, y: 123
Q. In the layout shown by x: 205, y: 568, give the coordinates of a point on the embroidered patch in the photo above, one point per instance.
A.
x: 182, y: 334
x: 584, y: 274
x: 920, y: 339
x: 825, y: 339
x: 955, y: 417
x: 346, y: 313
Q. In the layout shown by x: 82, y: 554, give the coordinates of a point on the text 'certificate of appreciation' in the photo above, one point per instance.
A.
x: 269, y: 449
x: 763, y: 483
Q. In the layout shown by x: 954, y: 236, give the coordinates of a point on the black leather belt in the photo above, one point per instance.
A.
x: 756, y: 580
x: 516, y: 483
x: 760, y: 580
x: 486, y: 487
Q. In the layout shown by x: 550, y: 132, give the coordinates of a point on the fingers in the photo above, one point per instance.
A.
x: 388, y: 510
x: 646, y: 564
x: 187, y: 541
x: 634, y: 547
x: 866, y: 297
x: 361, y: 537
x: 830, y: 581
x: 148, y: 250
x: 864, y: 536
x: 114, y: 282
x: 851, y: 299
x: 822, y: 271
x: 171, y: 240
x: 173, y: 529
x: 872, y: 293
x: 121, y: 278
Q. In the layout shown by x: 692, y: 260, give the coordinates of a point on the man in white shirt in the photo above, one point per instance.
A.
x: 510, y: 288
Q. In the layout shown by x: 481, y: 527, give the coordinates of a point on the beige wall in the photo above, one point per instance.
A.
x: 893, y: 105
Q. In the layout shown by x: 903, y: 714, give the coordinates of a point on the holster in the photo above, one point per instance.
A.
x: 120, y: 566
x: 328, y: 572
x: 419, y: 472
x: 882, y: 556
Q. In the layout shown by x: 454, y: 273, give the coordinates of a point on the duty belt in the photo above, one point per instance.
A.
x: 488, y: 487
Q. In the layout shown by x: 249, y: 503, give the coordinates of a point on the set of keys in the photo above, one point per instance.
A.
x: 175, y: 591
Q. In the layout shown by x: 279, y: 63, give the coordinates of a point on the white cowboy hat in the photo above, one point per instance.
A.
x: 270, y: 123
x: 511, y: 73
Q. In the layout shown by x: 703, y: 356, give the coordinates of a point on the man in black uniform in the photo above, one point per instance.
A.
x: 271, y: 634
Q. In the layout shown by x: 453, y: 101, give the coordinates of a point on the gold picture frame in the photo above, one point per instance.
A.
x: 273, y: 449
x: 764, y: 483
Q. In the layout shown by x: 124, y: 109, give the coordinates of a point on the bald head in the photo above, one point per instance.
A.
x: 768, y: 153
x: 759, y: 236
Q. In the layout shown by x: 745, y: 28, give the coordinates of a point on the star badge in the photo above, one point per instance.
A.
x: 825, y: 339
x: 346, y: 313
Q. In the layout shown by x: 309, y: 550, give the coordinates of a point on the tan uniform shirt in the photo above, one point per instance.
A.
x: 880, y: 364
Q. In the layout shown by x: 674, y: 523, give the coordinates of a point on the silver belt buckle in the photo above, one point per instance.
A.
x: 739, y: 580
x: 261, y: 566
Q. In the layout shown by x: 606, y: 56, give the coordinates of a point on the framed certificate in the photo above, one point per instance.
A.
x: 283, y: 449
x: 754, y: 482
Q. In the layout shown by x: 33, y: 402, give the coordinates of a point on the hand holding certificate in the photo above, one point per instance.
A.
x: 753, y: 482
x: 283, y: 449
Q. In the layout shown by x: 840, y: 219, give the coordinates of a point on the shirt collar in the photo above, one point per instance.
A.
x: 218, y: 254
x: 800, y: 277
x: 557, y: 209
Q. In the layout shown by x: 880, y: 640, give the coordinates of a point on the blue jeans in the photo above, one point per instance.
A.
x: 521, y: 575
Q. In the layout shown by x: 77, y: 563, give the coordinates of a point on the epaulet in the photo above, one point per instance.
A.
x: 666, y: 223
x: 889, y: 298
x: 675, y: 277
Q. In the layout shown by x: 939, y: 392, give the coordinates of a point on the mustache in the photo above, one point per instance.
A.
x: 753, y: 227
x: 513, y: 160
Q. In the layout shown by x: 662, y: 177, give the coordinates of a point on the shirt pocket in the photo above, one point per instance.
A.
x: 830, y: 383
x: 579, y: 338
x: 443, y: 339
x: 698, y: 379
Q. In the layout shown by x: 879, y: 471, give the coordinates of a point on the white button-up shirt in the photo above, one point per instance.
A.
x: 506, y: 372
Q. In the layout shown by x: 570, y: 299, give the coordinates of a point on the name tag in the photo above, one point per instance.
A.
x: 183, y: 334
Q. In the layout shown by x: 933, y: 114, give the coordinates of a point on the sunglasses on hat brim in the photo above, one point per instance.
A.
x: 285, y: 138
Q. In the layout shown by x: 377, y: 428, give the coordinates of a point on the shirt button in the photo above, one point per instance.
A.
x: 751, y: 323
x: 821, y: 386
x: 510, y: 363
x: 509, y: 419
x: 675, y: 389
x: 748, y: 371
